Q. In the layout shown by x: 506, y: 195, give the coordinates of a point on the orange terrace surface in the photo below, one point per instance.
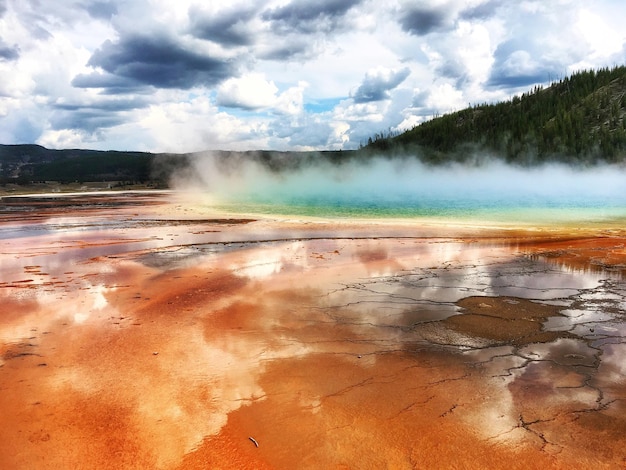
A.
x: 139, y: 332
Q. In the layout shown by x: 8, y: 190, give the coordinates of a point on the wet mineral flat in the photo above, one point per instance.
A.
x: 139, y: 332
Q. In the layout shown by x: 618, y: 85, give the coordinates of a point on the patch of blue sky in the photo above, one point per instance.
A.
x: 245, y: 113
x: 323, y: 105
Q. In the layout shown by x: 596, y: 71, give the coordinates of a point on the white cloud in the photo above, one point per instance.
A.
x: 64, y: 138
x: 445, y: 98
x: 378, y: 83
x: 349, y: 111
x: 196, y: 124
x: 291, y: 101
x: 476, y: 49
x: 252, y: 91
x: 602, y: 38
x: 520, y: 63
x: 244, y: 75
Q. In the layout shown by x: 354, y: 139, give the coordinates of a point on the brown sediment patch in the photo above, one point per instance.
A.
x: 16, y: 350
x: 589, y: 253
x: 504, y: 320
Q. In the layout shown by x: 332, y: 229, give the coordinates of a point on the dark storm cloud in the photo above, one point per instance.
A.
x: 421, y: 20
x: 227, y: 28
x: 36, y: 30
x: 420, y: 99
x: 504, y: 79
x: 376, y: 86
x: 8, y: 53
x: 456, y: 70
x: 452, y: 68
x: 483, y: 11
x: 94, y: 116
x: 85, y: 119
x: 296, y: 47
x: 101, y: 10
x: 110, y: 105
x: 157, y: 61
x: 307, y: 17
x: 517, y: 63
x: 112, y: 83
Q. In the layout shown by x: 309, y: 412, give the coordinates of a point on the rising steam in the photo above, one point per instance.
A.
x: 400, y: 182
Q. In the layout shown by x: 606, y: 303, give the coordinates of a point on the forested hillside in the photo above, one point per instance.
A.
x: 28, y: 163
x: 577, y: 119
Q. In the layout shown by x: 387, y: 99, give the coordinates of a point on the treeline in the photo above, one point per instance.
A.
x: 579, y: 119
x: 23, y: 164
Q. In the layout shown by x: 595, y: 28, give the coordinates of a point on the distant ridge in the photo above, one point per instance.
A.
x: 23, y: 164
x: 579, y: 119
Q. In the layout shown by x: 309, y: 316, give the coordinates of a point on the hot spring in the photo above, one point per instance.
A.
x: 491, y: 192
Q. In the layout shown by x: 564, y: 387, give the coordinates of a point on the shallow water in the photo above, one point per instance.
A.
x: 165, y: 336
x: 490, y: 191
x: 557, y: 211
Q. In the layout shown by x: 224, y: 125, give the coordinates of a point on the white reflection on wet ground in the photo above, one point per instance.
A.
x: 85, y: 303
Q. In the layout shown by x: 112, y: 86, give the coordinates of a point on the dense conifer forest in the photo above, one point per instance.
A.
x: 579, y: 119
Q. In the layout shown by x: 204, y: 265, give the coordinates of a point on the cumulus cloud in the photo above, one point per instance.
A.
x: 377, y: 84
x: 254, y: 92
x: 291, y: 101
x: 303, y: 16
x: 446, y: 98
x: 250, y: 92
x: 228, y: 28
x: 301, y: 30
x: 420, y: 18
x: 517, y: 68
x: 8, y: 52
x: 113, y: 84
x: 601, y: 38
x: 86, y: 119
x: 102, y: 10
x: 161, y: 75
x: 91, y: 117
x: 305, y: 133
x: 481, y: 10
x: 197, y: 124
x: 162, y: 62
x: 359, y: 112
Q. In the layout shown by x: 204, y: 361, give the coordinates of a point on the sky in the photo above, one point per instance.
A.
x: 192, y: 75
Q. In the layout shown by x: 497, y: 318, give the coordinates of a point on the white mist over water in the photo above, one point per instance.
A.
x: 408, y: 187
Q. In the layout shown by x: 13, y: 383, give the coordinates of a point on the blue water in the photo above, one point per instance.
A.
x: 407, y: 189
x: 527, y: 210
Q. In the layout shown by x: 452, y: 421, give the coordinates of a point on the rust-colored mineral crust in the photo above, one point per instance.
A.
x: 143, y: 333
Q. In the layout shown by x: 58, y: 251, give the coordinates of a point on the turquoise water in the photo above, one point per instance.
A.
x: 464, y: 209
x: 407, y: 189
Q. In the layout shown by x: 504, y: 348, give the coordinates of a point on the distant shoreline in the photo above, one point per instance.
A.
x: 11, y: 189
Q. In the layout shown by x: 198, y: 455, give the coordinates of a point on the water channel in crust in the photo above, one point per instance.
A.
x: 140, y: 332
